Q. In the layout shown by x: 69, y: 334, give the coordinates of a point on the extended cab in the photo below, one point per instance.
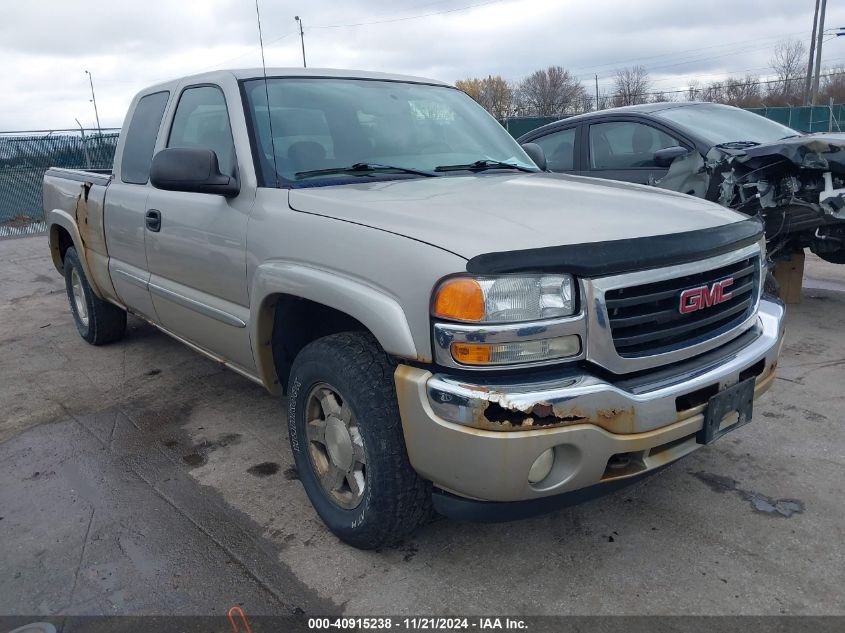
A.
x: 451, y: 327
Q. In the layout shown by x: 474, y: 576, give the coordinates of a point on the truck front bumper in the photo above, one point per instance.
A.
x: 481, y: 440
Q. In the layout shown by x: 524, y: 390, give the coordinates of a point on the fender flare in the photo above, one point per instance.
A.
x: 372, y: 306
x: 60, y: 218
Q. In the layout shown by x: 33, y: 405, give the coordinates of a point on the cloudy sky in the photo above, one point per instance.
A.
x: 46, y: 45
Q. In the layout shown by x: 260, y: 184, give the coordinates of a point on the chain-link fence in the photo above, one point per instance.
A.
x: 807, y: 118
x: 25, y: 156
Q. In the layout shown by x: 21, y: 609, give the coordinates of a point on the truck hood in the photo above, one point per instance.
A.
x: 476, y: 214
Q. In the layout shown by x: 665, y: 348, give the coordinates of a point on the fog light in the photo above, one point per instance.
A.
x: 542, y: 466
x: 516, y: 352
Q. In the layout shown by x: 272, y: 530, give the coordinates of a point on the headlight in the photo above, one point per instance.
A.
x: 509, y: 298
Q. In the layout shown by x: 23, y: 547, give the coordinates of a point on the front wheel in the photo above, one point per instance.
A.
x: 347, y: 442
x: 97, y: 321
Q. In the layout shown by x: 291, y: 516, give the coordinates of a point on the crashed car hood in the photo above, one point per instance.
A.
x: 814, y: 151
x: 475, y: 214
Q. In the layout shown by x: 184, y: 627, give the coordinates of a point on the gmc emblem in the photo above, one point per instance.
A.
x: 702, y: 297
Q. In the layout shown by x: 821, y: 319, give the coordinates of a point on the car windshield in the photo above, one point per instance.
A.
x: 720, y: 124
x: 356, y: 128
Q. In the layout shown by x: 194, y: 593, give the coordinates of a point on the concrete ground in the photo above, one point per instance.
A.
x: 141, y: 478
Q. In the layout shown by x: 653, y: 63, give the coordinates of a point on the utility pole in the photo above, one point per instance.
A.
x: 301, y: 39
x: 597, y: 93
x: 94, y: 101
x: 809, y: 79
x: 819, y: 53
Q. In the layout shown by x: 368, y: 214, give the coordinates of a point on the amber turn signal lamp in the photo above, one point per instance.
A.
x: 471, y: 353
x: 460, y: 299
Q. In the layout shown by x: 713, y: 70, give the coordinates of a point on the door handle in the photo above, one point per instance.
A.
x: 153, y: 220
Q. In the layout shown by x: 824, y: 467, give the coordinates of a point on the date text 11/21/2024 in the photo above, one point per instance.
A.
x: 418, y: 623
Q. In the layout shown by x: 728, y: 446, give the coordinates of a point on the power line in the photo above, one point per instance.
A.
x: 732, y: 85
x: 592, y: 69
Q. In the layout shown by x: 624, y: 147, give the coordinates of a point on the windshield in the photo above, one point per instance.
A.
x: 725, y: 124
x: 323, y: 124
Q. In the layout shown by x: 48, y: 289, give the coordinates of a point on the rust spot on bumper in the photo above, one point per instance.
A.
x: 617, y: 420
x: 499, y: 414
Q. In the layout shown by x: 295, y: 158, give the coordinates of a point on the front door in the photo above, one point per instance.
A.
x: 559, y: 148
x: 624, y: 150
x: 196, y: 251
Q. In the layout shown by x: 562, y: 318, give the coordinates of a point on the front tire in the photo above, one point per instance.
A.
x: 348, y: 445
x: 97, y: 321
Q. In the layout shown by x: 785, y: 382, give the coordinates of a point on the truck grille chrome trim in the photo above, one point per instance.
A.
x: 636, y: 322
x: 646, y: 319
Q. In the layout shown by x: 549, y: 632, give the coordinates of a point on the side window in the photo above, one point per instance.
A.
x: 202, y: 121
x: 559, y: 148
x: 626, y: 145
x: 141, y: 138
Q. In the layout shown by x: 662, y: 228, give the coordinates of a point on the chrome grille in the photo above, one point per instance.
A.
x: 646, y: 319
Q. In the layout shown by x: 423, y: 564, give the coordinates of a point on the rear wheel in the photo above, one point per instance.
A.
x: 348, y: 445
x: 97, y: 321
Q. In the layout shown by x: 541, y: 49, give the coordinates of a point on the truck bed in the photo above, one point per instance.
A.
x: 93, y: 176
x: 74, y: 199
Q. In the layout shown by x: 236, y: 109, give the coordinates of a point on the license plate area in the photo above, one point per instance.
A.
x: 737, y: 399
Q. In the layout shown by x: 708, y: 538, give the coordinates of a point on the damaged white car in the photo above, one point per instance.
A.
x: 739, y: 159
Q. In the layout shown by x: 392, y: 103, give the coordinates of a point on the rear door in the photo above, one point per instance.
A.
x: 624, y: 150
x: 126, y: 202
x: 197, y: 250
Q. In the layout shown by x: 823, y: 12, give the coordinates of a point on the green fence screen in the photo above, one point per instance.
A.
x: 806, y: 119
x: 24, y: 157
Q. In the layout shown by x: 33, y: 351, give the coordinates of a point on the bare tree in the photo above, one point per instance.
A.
x: 493, y: 94
x: 605, y: 101
x: 833, y: 85
x: 631, y: 86
x: 788, y: 62
x: 694, y: 92
x: 551, y: 92
x: 497, y: 97
x: 661, y: 96
x: 742, y: 92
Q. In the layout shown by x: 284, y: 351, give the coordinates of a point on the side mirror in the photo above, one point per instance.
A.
x: 664, y: 157
x: 535, y: 153
x: 192, y: 170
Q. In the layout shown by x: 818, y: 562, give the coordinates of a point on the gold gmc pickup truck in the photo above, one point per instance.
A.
x: 453, y: 329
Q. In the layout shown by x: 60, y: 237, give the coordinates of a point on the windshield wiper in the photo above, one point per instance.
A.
x: 481, y: 165
x: 362, y: 169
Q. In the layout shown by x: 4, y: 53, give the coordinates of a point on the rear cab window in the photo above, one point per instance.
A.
x: 141, y: 138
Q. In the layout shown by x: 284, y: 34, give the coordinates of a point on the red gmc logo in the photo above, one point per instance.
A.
x: 702, y: 297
